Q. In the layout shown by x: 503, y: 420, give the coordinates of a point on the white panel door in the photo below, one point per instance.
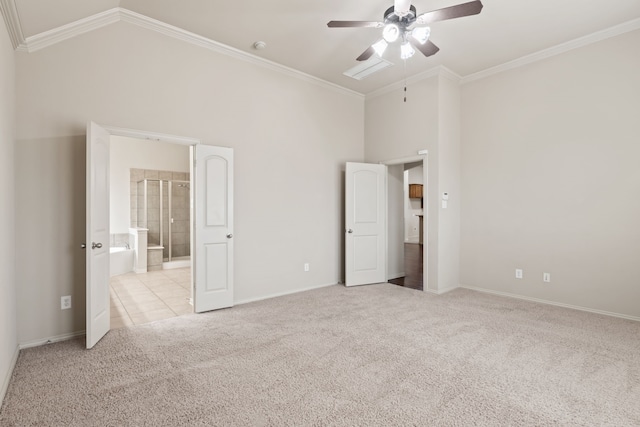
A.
x: 365, y: 220
x: 213, y: 227
x: 97, y: 239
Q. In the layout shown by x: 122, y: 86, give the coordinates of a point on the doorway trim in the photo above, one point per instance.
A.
x: 424, y: 158
x: 151, y: 136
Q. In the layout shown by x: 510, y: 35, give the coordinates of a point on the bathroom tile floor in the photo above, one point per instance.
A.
x: 147, y: 297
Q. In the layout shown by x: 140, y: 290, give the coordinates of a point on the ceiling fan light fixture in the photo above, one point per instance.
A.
x: 400, y: 20
x: 421, y: 34
x: 380, y: 47
x: 391, y: 33
x: 406, y: 50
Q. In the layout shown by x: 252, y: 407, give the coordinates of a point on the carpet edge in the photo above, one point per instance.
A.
x: 554, y: 303
x: 281, y: 294
x: 48, y: 340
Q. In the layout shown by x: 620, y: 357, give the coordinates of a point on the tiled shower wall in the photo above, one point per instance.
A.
x: 180, y: 209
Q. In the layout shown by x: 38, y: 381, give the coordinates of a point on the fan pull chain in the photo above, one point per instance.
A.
x: 405, y: 80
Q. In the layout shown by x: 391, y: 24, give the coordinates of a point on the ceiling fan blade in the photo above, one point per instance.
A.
x: 464, y: 9
x: 401, y: 7
x: 366, y: 54
x: 357, y: 24
x: 427, y: 49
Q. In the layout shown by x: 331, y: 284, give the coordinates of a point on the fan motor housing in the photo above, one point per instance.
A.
x: 391, y: 18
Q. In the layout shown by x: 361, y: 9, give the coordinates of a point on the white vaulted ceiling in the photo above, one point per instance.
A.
x: 297, y: 36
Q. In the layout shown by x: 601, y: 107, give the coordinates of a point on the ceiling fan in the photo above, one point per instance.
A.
x: 401, y: 22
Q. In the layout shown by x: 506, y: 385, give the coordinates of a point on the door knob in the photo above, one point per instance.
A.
x: 349, y: 231
x: 83, y: 246
x: 96, y: 245
x: 229, y: 236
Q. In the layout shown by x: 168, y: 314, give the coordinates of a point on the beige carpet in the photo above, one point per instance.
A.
x: 368, y: 356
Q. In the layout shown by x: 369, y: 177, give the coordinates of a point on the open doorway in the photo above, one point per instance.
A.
x: 211, y: 234
x: 407, y: 222
x: 150, y: 223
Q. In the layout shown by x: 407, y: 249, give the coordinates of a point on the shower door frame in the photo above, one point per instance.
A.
x: 170, y: 216
x: 161, y: 207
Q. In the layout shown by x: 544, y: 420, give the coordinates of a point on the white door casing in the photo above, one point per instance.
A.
x: 97, y: 235
x: 213, y: 227
x: 365, y: 221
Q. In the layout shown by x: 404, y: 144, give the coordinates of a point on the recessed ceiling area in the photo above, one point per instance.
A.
x: 298, y: 37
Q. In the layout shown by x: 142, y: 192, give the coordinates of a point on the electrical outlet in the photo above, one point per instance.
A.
x: 306, y: 266
x: 65, y: 302
x: 518, y: 273
x: 546, y: 277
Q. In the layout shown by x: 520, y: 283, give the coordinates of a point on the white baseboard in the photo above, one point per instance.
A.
x: 442, y: 291
x: 281, y: 294
x: 42, y: 341
x: 64, y: 337
x: 557, y: 304
x: 5, y: 382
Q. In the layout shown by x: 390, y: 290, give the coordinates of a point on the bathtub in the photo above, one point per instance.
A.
x: 120, y: 261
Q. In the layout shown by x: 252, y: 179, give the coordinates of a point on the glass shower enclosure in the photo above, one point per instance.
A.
x: 164, y: 209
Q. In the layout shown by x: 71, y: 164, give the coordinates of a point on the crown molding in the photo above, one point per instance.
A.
x: 12, y: 20
x: 99, y: 20
x: 451, y: 75
x: 76, y: 28
x: 439, y: 71
x: 616, y: 30
x: 443, y: 71
x: 118, y: 14
x: 432, y: 72
x: 197, y: 40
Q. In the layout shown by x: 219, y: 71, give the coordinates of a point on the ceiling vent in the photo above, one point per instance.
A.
x: 366, y: 68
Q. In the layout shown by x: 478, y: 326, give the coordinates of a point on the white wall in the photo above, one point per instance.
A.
x: 290, y: 136
x: 8, y: 326
x: 130, y: 153
x: 449, y: 111
x: 394, y: 130
x: 551, y: 181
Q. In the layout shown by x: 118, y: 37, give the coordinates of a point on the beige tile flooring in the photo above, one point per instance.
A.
x: 147, y: 297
